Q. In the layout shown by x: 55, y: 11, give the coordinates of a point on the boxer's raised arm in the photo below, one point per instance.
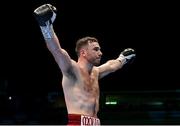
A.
x: 45, y: 16
x: 113, y: 65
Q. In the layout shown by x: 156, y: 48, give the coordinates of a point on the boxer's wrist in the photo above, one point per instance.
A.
x: 122, y: 59
x: 47, y: 31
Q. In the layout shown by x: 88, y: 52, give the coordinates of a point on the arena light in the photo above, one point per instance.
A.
x: 111, y: 100
x: 111, y: 103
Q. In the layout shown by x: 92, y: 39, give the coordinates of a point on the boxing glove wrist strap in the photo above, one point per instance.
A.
x: 47, y: 31
x: 122, y: 59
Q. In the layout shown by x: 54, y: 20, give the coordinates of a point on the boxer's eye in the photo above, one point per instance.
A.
x: 96, y: 48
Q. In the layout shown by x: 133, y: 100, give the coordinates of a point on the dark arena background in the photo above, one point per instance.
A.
x: 146, y: 91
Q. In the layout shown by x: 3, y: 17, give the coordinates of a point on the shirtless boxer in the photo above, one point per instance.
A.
x: 80, y: 79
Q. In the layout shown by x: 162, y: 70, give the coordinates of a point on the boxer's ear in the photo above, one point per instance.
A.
x: 83, y: 52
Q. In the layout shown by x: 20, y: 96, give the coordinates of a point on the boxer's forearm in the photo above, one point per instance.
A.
x: 114, y: 65
x: 53, y: 43
x: 109, y: 67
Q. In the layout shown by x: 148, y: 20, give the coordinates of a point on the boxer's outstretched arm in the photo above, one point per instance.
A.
x: 113, y: 65
x: 45, y: 15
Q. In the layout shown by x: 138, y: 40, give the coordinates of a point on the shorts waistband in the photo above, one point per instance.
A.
x: 78, y: 119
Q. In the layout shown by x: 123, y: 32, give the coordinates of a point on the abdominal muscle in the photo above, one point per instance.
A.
x: 80, y: 100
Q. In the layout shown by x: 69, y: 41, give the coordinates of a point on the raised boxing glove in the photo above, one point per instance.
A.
x: 126, y: 55
x: 45, y: 15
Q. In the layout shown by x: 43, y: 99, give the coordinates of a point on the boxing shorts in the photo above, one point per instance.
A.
x: 82, y: 120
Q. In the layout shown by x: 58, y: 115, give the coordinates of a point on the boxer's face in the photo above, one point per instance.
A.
x: 93, y: 53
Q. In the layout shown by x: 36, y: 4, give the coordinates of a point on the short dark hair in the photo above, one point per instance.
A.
x: 84, y: 41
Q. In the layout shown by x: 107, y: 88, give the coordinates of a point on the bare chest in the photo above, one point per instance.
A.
x: 90, y: 83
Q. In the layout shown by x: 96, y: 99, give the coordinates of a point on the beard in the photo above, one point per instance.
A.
x: 96, y: 62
